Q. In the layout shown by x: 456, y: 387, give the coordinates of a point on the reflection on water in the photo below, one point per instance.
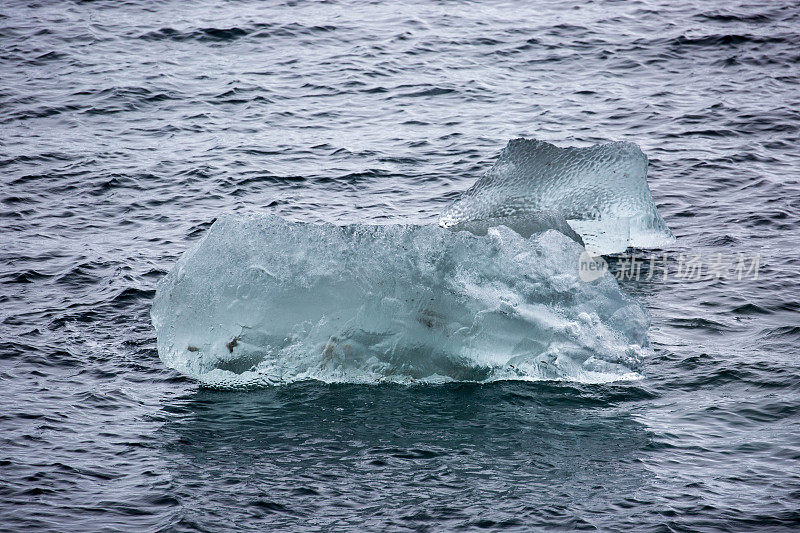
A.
x: 503, y: 454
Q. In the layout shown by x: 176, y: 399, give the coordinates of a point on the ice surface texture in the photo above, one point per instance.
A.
x: 601, y: 191
x: 526, y: 224
x: 260, y: 300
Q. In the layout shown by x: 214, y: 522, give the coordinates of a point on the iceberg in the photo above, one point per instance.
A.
x: 263, y: 301
x: 601, y: 191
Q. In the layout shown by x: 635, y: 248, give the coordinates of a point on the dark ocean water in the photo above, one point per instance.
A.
x: 126, y: 128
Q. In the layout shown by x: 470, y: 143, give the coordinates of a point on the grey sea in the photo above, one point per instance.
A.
x: 128, y: 127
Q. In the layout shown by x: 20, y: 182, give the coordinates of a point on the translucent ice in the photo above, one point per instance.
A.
x: 261, y: 301
x: 525, y: 224
x: 601, y: 191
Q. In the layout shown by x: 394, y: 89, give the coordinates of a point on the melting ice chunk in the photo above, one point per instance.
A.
x: 601, y: 191
x: 260, y: 300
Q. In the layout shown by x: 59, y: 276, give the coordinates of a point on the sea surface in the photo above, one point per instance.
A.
x: 128, y: 127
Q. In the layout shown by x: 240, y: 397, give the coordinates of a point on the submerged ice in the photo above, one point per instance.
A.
x: 260, y: 300
x: 600, y: 191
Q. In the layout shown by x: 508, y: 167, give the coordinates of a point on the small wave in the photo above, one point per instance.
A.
x: 222, y: 35
x: 718, y: 41
x: 433, y: 91
x: 47, y: 57
x: 695, y: 323
x: 200, y: 34
x: 24, y: 276
x: 721, y: 16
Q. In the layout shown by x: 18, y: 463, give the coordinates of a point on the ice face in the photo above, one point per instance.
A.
x: 524, y: 224
x: 260, y: 300
x: 601, y: 191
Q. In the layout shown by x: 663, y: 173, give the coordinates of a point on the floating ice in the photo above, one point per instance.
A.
x: 260, y: 300
x: 601, y: 191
